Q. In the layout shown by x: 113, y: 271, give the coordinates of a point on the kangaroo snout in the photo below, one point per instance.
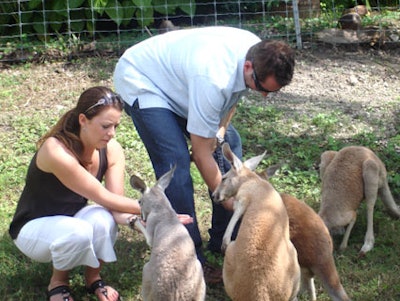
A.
x: 216, y: 196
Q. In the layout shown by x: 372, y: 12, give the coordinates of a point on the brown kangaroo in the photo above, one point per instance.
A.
x: 313, y: 243
x: 348, y: 177
x: 261, y: 264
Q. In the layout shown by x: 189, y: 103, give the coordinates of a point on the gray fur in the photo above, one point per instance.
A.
x: 173, y: 271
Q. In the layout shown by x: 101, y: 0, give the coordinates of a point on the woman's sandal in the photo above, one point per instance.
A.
x: 64, y: 290
x: 96, y: 285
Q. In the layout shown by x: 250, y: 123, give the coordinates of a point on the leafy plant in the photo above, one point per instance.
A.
x: 47, y: 17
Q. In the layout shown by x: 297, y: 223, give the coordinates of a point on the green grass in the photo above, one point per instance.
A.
x: 296, y: 141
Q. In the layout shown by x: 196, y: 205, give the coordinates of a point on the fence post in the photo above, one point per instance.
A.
x: 297, y: 24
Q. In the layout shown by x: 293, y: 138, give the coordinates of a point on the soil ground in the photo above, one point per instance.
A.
x: 353, y: 79
x: 357, y: 81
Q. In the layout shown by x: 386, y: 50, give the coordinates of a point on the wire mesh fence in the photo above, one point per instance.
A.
x: 38, y: 29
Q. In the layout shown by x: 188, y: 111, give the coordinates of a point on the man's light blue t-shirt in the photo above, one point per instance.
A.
x: 196, y: 73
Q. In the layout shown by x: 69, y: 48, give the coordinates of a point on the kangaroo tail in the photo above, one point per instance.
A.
x: 388, y: 201
x: 329, y: 277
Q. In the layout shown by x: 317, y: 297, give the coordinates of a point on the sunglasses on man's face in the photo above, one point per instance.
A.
x: 258, y: 84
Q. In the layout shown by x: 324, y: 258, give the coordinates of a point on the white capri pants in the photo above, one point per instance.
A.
x: 84, y: 239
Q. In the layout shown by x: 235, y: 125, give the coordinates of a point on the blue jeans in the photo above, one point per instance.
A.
x: 165, y: 137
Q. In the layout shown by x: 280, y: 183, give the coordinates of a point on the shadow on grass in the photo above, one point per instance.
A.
x: 24, y: 279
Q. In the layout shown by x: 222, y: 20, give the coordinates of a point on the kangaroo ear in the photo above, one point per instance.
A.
x: 138, y: 184
x: 326, y: 159
x: 231, y: 157
x: 164, y: 181
x: 252, y: 163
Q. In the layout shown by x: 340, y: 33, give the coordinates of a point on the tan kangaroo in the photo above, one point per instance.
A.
x: 313, y: 243
x: 348, y: 177
x: 173, y: 271
x: 261, y: 264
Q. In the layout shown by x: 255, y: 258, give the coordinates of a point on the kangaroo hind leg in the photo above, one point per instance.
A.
x: 346, y: 236
x: 307, y: 283
x: 371, y: 185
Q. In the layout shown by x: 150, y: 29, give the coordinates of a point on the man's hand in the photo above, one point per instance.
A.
x: 228, y: 204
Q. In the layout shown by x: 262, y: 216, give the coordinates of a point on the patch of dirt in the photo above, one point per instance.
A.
x: 362, y: 84
x: 358, y: 82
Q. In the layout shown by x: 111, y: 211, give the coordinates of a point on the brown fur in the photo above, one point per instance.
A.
x: 358, y: 9
x: 166, y: 26
x: 313, y: 243
x: 348, y: 177
x: 261, y: 264
x: 351, y: 21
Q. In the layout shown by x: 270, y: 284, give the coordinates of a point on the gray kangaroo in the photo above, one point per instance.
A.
x: 173, y: 271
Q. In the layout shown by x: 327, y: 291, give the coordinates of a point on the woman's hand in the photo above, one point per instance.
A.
x: 185, y: 219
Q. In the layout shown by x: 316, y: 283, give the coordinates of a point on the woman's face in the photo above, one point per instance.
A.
x: 99, y: 130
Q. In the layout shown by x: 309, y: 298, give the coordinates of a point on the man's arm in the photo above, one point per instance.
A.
x: 202, y: 155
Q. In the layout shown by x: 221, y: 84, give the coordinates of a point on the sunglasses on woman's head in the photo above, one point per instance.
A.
x: 106, y: 100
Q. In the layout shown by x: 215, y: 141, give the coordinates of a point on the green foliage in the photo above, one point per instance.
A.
x: 54, y: 17
x: 325, y: 122
x: 385, y: 19
x: 48, y: 27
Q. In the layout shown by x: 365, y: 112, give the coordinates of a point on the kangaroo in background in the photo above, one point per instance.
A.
x: 313, y: 243
x: 261, y: 264
x: 348, y: 177
x: 173, y: 271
